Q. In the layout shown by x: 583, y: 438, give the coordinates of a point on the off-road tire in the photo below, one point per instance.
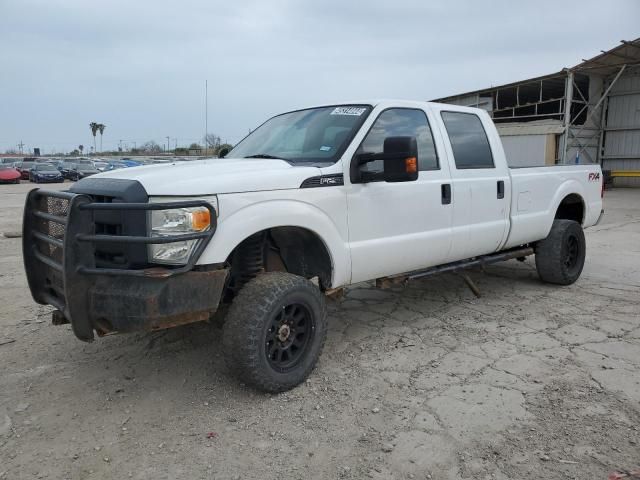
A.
x: 560, y: 256
x: 249, y: 325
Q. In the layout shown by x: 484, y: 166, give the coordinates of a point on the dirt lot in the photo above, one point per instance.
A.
x: 528, y: 382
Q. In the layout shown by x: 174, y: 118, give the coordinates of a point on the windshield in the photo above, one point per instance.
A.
x: 45, y: 168
x: 26, y: 164
x: 313, y: 135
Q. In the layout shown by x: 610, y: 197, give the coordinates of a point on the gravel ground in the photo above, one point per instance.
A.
x: 529, y: 381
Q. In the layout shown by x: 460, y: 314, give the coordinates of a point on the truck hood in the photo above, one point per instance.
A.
x: 215, y: 176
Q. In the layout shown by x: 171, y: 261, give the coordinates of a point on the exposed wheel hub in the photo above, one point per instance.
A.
x: 283, y: 333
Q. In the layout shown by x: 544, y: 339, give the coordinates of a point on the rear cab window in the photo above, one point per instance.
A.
x: 469, y: 141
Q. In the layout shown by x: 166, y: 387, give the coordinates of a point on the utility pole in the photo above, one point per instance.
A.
x: 168, y: 146
x: 20, y: 145
x: 206, y: 114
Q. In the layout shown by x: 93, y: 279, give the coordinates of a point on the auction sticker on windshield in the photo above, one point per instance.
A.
x: 355, y: 111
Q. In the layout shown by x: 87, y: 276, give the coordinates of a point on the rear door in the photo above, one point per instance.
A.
x: 481, y: 190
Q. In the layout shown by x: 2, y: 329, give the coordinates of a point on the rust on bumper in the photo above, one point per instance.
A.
x: 130, y: 304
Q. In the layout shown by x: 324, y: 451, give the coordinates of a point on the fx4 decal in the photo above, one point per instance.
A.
x: 594, y: 177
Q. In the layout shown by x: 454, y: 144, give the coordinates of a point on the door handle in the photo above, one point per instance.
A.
x: 500, y: 188
x: 445, y: 190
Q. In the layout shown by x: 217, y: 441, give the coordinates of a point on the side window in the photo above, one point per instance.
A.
x: 468, y: 139
x: 400, y: 122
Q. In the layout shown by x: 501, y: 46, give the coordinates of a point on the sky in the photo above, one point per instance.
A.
x: 139, y: 66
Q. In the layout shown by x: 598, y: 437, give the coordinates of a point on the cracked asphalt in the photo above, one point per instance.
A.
x: 529, y: 381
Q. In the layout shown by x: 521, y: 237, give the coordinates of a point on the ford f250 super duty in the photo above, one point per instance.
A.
x: 309, y: 202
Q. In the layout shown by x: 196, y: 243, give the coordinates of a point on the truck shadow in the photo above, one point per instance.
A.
x: 191, y: 356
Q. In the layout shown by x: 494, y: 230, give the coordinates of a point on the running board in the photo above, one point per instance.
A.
x: 402, y: 278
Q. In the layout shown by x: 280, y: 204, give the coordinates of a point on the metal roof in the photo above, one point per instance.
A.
x: 607, y: 63
x: 610, y: 61
x: 551, y: 76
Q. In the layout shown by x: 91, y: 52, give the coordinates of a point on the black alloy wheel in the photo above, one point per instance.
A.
x: 289, y: 336
x: 275, y: 330
x: 560, y: 257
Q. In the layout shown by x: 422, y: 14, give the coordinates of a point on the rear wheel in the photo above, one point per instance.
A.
x: 275, y: 330
x: 560, y: 256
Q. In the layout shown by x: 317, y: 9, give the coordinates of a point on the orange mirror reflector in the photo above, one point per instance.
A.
x: 411, y: 164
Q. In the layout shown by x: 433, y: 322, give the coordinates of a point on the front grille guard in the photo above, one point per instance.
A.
x: 59, y: 256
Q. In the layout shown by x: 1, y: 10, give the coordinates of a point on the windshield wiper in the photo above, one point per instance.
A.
x: 266, y: 155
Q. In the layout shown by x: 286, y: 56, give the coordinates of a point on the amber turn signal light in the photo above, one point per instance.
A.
x: 200, y: 220
x: 411, y: 165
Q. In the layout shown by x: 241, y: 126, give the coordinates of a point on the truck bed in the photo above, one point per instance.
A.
x: 537, y: 192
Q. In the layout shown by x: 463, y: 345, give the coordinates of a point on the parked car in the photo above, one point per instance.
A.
x: 81, y: 171
x: 101, y: 166
x: 67, y: 168
x: 127, y: 162
x: 45, y: 173
x: 114, y: 165
x: 24, y: 167
x: 384, y: 191
x: 8, y: 174
x: 9, y: 161
x: 59, y: 164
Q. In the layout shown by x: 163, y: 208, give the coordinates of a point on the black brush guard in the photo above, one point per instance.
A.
x: 59, y: 257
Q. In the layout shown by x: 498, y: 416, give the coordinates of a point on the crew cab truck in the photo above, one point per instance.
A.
x: 309, y: 202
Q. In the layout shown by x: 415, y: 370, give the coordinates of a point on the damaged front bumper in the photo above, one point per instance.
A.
x: 59, y: 240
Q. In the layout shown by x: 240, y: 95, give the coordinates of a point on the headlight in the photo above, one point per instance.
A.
x: 177, y: 221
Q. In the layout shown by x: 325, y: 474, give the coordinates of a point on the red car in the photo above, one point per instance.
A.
x: 8, y: 174
x: 24, y: 168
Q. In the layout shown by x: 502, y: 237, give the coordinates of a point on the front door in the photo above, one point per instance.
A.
x: 398, y: 227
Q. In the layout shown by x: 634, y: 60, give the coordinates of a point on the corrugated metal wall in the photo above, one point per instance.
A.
x: 622, y: 128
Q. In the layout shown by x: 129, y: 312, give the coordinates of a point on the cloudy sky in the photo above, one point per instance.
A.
x: 140, y: 66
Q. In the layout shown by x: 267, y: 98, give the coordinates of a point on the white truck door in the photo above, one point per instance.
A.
x: 481, y: 185
x: 397, y: 227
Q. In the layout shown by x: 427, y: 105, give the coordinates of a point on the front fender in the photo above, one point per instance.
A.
x: 243, y: 222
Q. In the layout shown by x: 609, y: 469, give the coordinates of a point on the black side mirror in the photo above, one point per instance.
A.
x: 223, y: 152
x: 400, y: 162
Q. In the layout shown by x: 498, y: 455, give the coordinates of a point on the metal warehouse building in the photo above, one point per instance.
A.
x: 589, y: 113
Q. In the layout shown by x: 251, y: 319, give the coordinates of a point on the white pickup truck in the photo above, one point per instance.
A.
x: 311, y: 201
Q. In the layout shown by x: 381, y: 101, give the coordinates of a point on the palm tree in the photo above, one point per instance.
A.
x: 101, y: 127
x: 80, y: 147
x: 94, y: 129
